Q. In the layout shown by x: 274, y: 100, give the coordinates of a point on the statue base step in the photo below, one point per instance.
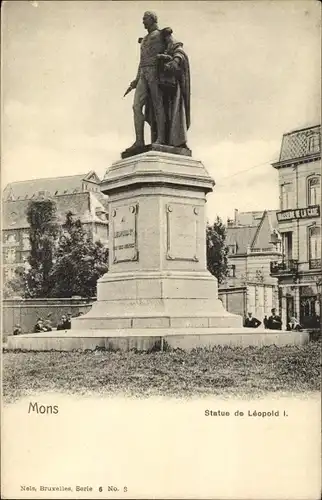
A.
x: 153, y: 339
x: 149, y: 322
x: 170, y: 299
x: 162, y: 148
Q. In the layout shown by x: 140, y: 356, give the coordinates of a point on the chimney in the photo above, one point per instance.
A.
x: 236, y: 216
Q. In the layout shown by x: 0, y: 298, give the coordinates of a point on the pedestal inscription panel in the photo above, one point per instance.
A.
x: 182, y: 231
x: 124, y: 233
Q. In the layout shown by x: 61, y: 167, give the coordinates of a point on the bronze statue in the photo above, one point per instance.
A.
x: 174, y: 81
x: 162, y: 87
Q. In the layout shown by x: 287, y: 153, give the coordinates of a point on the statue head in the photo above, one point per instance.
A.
x: 149, y: 19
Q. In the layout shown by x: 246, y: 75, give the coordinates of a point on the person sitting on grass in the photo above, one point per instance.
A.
x: 251, y: 322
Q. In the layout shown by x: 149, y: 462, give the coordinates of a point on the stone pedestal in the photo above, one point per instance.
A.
x: 157, y: 275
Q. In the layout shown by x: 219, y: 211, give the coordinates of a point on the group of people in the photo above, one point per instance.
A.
x: 45, y: 325
x: 273, y: 322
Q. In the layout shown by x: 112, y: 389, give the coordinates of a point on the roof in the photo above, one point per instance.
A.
x: 103, y: 198
x: 52, y: 186
x: 258, y: 236
x: 253, y: 218
x: 300, y: 143
x: 263, y: 236
x: 242, y: 236
x: 14, y: 212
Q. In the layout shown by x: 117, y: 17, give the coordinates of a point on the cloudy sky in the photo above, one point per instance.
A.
x: 255, y: 69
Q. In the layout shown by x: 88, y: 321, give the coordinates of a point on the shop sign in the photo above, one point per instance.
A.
x: 298, y: 213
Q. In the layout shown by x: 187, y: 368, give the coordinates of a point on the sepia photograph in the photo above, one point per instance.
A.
x: 161, y: 249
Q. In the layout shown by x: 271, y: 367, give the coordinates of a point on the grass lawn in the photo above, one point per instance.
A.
x: 221, y: 371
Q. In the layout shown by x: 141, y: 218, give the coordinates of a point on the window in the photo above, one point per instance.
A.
x: 11, y: 273
x: 11, y: 238
x: 314, y: 190
x: 8, y: 274
x: 11, y: 255
x: 286, y: 190
x: 287, y: 245
x: 314, y: 143
x: 231, y: 271
x: 25, y: 241
x: 10, y: 196
x: 13, y: 218
x: 232, y: 249
x: 314, y: 243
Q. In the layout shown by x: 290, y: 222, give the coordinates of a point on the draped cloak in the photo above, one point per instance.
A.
x: 176, y: 99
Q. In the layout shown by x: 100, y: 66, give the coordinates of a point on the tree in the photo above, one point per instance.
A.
x: 17, y: 285
x: 217, y: 250
x: 79, y: 261
x: 43, y: 235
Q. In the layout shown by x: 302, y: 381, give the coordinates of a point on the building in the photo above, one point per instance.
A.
x: 299, y: 223
x: 249, y: 287
x: 79, y: 194
x: 252, y: 218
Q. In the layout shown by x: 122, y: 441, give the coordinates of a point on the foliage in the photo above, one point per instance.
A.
x: 17, y: 285
x: 63, y: 261
x: 217, y: 250
x: 219, y: 371
x: 79, y: 261
x: 43, y: 234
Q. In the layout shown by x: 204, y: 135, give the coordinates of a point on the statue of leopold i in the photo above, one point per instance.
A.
x: 162, y: 89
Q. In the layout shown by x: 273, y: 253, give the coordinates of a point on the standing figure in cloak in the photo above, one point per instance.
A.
x: 148, y: 94
x: 174, y: 81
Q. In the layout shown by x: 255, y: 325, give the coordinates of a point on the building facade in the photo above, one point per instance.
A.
x: 254, y: 243
x: 79, y: 194
x: 299, y: 222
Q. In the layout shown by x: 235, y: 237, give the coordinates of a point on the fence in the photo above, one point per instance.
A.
x: 25, y: 312
x: 234, y: 299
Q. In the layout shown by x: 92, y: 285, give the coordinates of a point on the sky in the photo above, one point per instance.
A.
x: 255, y: 74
